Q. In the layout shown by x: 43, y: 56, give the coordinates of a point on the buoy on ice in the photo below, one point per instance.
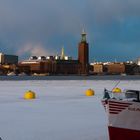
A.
x: 90, y: 92
x: 116, y: 90
x: 29, y: 95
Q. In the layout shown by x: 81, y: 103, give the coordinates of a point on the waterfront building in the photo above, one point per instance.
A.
x: 8, y: 59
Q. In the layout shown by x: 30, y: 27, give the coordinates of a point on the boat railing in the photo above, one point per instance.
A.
x: 133, y: 94
x: 126, y: 95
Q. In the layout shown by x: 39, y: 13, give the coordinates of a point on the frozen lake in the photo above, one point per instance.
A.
x: 60, y: 112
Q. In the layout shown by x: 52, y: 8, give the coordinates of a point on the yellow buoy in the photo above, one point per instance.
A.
x: 29, y: 95
x: 116, y: 90
x: 90, y: 92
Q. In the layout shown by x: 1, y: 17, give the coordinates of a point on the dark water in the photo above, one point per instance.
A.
x: 112, y: 77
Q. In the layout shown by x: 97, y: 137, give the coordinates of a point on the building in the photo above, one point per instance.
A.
x: 50, y: 67
x: 83, y: 55
x: 115, y: 68
x: 36, y: 66
x: 8, y: 59
x: 138, y: 61
x: 59, y: 64
x: 132, y: 69
x: 98, y: 69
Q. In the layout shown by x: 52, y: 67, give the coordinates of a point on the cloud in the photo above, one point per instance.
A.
x: 33, y: 50
x: 107, y: 10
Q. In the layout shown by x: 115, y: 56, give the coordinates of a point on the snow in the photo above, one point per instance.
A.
x: 60, y: 112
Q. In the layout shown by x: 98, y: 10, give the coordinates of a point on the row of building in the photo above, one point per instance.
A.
x: 53, y: 64
x: 65, y: 65
x: 60, y: 67
x: 128, y: 68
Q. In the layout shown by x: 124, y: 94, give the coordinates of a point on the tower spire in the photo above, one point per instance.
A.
x: 62, y: 53
x: 83, y: 34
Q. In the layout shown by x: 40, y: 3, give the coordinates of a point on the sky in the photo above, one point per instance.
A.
x: 43, y: 27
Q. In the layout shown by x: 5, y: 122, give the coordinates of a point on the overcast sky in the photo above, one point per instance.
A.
x: 42, y: 27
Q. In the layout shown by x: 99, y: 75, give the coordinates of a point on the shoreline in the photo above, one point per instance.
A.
x: 70, y: 77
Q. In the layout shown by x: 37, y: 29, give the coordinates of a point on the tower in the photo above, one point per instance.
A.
x: 83, y: 54
x: 62, y: 54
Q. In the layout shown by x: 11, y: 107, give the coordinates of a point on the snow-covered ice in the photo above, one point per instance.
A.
x: 60, y: 112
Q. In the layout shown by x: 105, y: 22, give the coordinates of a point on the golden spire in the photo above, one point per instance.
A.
x: 62, y: 53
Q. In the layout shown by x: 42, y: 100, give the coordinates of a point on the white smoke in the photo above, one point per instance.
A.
x: 33, y: 50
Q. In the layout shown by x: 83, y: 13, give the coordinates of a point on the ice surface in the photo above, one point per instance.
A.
x: 60, y: 112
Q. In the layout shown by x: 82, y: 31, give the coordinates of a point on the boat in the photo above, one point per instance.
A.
x: 123, y: 110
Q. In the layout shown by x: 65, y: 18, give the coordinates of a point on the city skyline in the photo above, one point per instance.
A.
x: 33, y: 27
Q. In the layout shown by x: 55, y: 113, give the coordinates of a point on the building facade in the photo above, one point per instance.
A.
x: 8, y: 59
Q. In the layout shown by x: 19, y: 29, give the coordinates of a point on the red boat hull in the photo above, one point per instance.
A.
x: 123, y: 134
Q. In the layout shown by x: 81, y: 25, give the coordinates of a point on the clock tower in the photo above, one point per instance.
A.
x: 83, y: 54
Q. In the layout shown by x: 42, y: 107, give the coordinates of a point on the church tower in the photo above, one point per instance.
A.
x: 83, y: 54
x: 62, y: 54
